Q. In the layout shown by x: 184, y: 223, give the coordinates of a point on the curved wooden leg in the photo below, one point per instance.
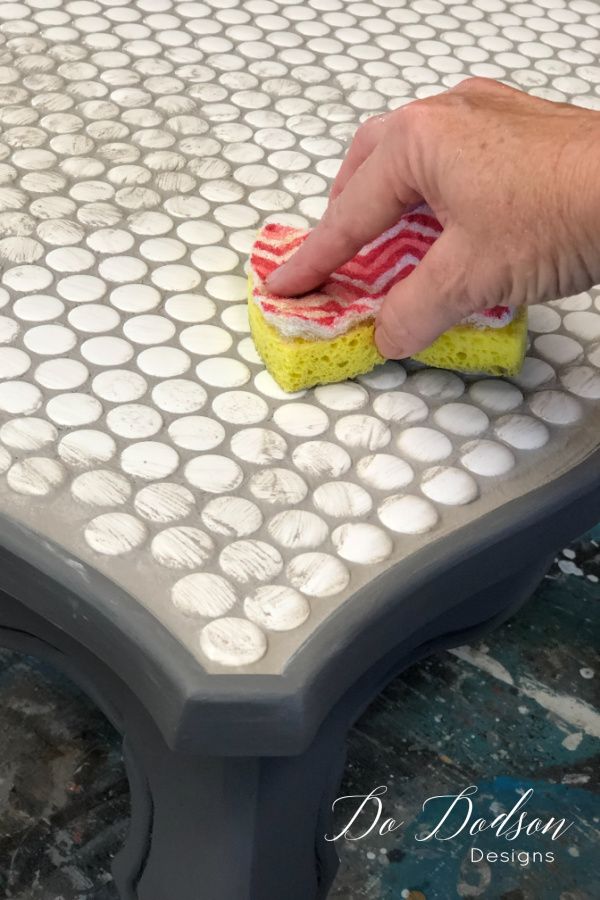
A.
x: 229, y: 828
x: 242, y: 828
x: 130, y: 859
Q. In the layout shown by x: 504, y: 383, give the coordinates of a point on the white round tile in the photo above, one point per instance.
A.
x: 321, y: 459
x: 259, y: 446
x: 461, y: 418
x: 342, y: 499
x: 175, y: 277
x: 205, y: 340
x: 250, y: 560
x: 122, y: 269
x: 449, y: 486
x: 36, y: 476
x: 318, y: 574
x: 233, y: 642
x: 223, y: 372
x: 400, y: 407
x: 190, y: 308
x: 81, y: 288
x: 342, y: 397
x: 534, y: 373
x: 9, y: 329
x: 182, y: 547
x: 86, y: 448
x: 408, y: 514
x: 213, y: 474
x: 522, y: 432
x: 424, y: 444
x: 163, y: 362
x: 278, y: 486
x: 362, y: 431
x: 61, y: 374
x: 266, y: 384
x: 203, y: 594
x: 73, y: 409
x: 119, y: 386
x: 301, y: 419
x: 148, y: 329
x: 38, y: 308
x: 114, y: 533
x: 298, y: 529
x: 134, y: 421
x: 93, y: 318
x: 164, y: 502
x: 487, y: 458
x: 232, y: 516
x: 276, y: 607
x: 139, y: 300
x: 101, y: 487
x: 5, y: 460
x: 149, y: 460
x: 362, y: 543
x: 231, y: 288
x: 558, y: 349
x: 49, y: 340
x: 555, y: 407
x: 28, y: 434
x: 248, y: 351
x: 573, y: 303
x: 384, y: 471
x: 542, y: 319
x: 437, y: 384
x: 214, y: 259
x: 583, y: 381
x: 178, y: 395
x: 240, y: 408
x: 495, y: 395
x: 13, y: 362
x: 107, y: 351
x: 196, y: 433
x: 583, y: 325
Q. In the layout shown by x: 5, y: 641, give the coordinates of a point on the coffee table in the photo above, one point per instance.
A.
x: 233, y: 573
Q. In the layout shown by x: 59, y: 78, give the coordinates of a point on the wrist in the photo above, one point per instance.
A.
x: 588, y: 196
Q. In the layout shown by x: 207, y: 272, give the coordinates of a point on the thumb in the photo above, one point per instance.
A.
x: 428, y: 302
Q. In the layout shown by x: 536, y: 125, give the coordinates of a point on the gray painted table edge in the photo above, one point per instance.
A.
x: 232, y: 776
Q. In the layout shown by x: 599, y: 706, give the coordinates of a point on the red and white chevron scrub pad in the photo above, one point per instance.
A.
x: 328, y: 335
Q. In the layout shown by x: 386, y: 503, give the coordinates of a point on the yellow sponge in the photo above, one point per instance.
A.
x: 467, y: 348
x: 298, y: 363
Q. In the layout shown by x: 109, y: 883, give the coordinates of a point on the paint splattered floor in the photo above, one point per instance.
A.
x: 520, y: 711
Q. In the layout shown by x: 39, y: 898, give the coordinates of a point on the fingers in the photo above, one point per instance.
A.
x: 432, y: 299
x: 365, y: 140
x: 374, y: 199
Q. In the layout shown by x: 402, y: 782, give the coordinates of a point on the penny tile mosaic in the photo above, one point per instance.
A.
x: 141, y: 145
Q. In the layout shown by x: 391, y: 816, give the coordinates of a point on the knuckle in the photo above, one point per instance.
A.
x: 472, y: 83
x: 476, y: 85
x: 416, y: 118
x: 368, y: 130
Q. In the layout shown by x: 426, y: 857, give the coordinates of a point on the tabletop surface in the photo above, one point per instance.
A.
x: 141, y: 145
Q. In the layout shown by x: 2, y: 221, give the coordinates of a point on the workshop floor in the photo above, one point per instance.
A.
x: 521, y: 710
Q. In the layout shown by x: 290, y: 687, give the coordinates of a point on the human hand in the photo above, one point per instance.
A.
x: 515, y: 182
